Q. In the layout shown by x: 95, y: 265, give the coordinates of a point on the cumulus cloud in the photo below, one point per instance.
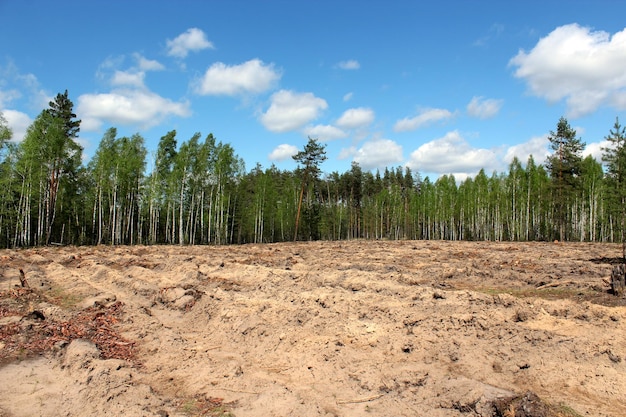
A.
x: 252, y: 76
x: 537, y: 147
x: 282, y: 152
x: 596, y: 149
x: 128, y: 78
x: 451, y: 154
x: 356, y: 118
x: 127, y: 107
x: 109, y: 71
x: 351, y: 64
x: 425, y: 117
x: 145, y: 64
x: 584, y: 67
x: 18, y: 122
x: 290, y: 111
x: 193, y: 39
x: 325, y: 133
x: 378, y: 153
x: 484, y: 108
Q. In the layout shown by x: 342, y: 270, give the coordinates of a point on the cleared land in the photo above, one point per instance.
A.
x: 360, y: 328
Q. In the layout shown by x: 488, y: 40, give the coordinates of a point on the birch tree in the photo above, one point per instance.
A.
x: 50, y: 159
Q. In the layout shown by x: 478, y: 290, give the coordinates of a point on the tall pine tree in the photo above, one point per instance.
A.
x: 310, y: 158
x: 614, y: 156
x: 565, y: 168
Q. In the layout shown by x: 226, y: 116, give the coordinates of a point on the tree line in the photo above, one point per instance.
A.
x: 198, y: 191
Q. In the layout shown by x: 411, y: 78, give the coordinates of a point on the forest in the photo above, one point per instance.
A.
x: 198, y: 191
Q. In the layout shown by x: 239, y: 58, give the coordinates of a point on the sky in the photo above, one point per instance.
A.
x: 443, y: 87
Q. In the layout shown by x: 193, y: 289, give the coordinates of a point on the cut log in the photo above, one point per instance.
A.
x: 618, y: 280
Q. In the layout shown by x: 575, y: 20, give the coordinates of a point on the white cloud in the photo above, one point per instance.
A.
x: 451, y: 154
x: 21, y: 86
x: 250, y: 77
x: 356, y: 118
x: 348, y: 96
x: 596, y: 149
x: 346, y: 153
x: 424, y: 118
x: 583, y: 67
x: 290, y: 111
x: 484, y: 108
x: 193, y: 39
x: 148, y: 64
x: 494, y: 32
x: 537, y: 147
x: 325, y: 133
x: 8, y: 96
x: 378, y: 153
x: 109, y: 71
x: 18, y: 122
x: 127, y: 107
x: 282, y: 152
x: 351, y: 64
x: 128, y: 78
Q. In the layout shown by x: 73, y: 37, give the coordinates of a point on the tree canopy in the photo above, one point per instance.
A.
x: 196, y: 190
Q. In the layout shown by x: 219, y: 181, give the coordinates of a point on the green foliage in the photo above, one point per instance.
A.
x: 614, y: 157
x: 5, y: 131
x: 62, y: 108
x: 310, y: 159
x: 198, y: 192
x: 49, y: 164
x: 565, y: 168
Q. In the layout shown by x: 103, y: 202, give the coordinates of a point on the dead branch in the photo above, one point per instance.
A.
x: 361, y: 400
x: 555, y: 284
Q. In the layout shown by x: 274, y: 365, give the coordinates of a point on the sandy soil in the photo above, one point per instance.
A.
x: 362, y: 328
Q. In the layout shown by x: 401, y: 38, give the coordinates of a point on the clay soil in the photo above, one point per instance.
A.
x: 359, y: 328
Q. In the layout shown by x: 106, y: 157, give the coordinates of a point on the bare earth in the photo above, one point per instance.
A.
x: 360, y: 328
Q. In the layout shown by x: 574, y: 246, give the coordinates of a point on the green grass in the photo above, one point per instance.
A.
x: 58, y: 296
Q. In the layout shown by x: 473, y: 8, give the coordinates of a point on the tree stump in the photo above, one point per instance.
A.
x: 23, y: 281
x: 618, y: 280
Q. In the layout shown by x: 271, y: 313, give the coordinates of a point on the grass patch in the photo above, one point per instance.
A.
x: 201, y: 407
x: 58, y: 296
x: 567, y: 411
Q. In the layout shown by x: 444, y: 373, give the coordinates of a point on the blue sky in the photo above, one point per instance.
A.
x: 442, y: 87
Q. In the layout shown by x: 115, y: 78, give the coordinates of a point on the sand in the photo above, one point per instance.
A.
x: 359, y: 328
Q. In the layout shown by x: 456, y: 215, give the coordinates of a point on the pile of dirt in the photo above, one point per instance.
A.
x: 313, y: 329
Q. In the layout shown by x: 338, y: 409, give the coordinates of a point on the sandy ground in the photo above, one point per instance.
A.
x: 361, y: 328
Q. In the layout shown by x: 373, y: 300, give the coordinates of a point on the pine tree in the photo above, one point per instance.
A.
x: 614, y: 156
x: 62, y: 108
x: 311, y: 157
x: 565, y: 168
